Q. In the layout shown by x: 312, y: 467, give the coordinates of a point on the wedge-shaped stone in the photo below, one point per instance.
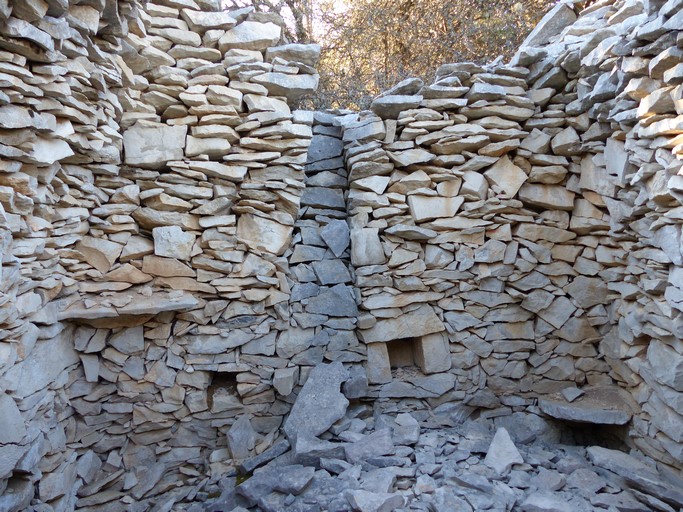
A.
x: 19, y: 28
x: 319, y: 404
x: 291, y: 87
x: 566, y: 143
x: 587, y: 291
x: 213, y: 147
x: 666, y: 364
x: 12, y: 427
x: 552, y: 24
x: 547, y: 196
x: 149, y: 218
x: 200, y: 22
x: 173, y: 242
x: 337, y: 301
x: 99, y: 253
x: 30, y: 10
x: 258, y: 103
x: 308, y: 54
x: 536, y: 232
x: 48, y: 151
x: 366, y: 248
x: 390, y: 106
x: 13, y: 116
x: 424, y: 208
x: 408, y: 232
x: 506, y: 176
x: 217, y: 170
x: 411, y: 157
x: 502, y: 453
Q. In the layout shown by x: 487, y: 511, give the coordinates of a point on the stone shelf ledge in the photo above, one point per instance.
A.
x: 135, y: 303
x: 604, y: 405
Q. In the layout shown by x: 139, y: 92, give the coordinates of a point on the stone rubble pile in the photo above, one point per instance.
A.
x: 370, y: 461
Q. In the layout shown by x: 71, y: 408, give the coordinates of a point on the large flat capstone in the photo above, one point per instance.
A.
x: 414, y: 324
x: 602, y: 406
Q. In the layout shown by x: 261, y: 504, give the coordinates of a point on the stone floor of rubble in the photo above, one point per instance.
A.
x: 337, y: 453
x: 343, y: 454
x: 423, y: 461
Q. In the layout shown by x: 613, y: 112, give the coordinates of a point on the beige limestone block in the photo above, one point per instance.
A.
x: 424, y: 208
x: 506, y: 176
x: 173, y: 242
x: 263, y: 234
x: 99, y: 253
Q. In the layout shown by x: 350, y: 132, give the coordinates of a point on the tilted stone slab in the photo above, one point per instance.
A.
x: 320, y: 402
x: 263, y: 234
x: 601, y: 406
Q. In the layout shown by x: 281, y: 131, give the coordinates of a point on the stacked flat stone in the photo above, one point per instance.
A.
x: 212, y: 179
x: 323, y: 301
x: 59, y: 113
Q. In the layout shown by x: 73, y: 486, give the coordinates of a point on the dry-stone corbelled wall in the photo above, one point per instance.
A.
x: 152, y: 171
x: 181, y: 247
x: 516, y: 226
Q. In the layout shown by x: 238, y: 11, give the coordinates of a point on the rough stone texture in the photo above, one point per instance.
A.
x: 421, y: 322
x: 319, y: 404
x: 502, y: 453
x: 547, y: 257
x: 153, y: 146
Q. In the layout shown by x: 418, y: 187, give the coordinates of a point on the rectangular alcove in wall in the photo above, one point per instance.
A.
x: 221, y: 394
x: 429, y: 353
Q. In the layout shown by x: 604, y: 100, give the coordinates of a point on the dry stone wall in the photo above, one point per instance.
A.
x: 515, y: 227
x: 151, y: 178
x: 181, y: 246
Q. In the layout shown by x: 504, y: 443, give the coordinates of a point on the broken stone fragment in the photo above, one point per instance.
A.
x: 506, y: 176
x: 502, y: 453
x: 390, y: 106
x: 200, y: 22
x: 365, y: 501
x: 263, y: 234
x: 99, y: 253
x: 173, y: 242
x: 241, y: 439
x: 292, y: 87
x: 308, y: 54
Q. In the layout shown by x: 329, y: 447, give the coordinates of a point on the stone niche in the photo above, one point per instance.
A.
x: 430, y: 353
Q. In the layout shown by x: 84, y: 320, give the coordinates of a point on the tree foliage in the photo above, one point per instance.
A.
x: 374, y: 44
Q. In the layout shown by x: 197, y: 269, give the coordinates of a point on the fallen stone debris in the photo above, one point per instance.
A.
x: 370, y: 461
